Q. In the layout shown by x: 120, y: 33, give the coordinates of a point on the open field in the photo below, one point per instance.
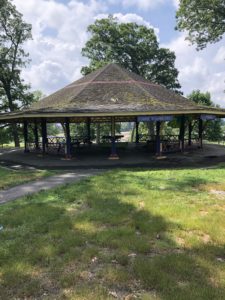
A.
x: 9, y: 178
x: 133, y: 234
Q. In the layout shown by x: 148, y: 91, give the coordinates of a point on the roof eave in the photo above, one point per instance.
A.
x: 35, y: 115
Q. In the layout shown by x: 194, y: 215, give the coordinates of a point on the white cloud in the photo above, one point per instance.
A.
x: 59, y: 33
x: 197, y: 67
x: 143, y: 4
x: 176, y: 3
x: 220, y: 56
x: 200, y: 69
x: 126, y: 18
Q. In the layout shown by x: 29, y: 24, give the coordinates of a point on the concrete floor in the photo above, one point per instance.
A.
x: 130, y: 156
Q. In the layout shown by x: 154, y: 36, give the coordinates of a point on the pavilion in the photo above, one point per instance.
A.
x: 111, y: 94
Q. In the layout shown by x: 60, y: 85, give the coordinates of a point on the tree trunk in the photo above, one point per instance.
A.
x: 190, y: 129
x: 133, y: 133
x: 15, y: 135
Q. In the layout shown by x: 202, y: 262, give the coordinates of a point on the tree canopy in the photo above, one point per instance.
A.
x: 14, y: 32
x: 204, y: 20
x: 201, y: 98
x: 213, y: 130
x: 134, y: 47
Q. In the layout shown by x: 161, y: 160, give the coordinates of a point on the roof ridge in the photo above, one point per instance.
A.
x: 86, y: 83
x: 101, y: 70
x: 160, y: 85
x: 144, y: 88
x: 171, y: 91
x: 136, y: 82
x: 139, y: 77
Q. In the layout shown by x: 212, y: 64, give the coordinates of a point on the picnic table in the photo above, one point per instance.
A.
x: 108, y: 138
x: 58, y: 142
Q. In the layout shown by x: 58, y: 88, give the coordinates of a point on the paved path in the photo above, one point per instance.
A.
x: 44, y: 184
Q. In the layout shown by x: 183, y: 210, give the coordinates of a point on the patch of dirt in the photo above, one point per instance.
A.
x: 86, y: 275
x: 49, y: 285
x: 218, y: 193
x: 212, y: 186
x: 141, y: 204
x: 70, y: 268
x: 132, y: 255
x: 214, y: 282
x: 130, y: 297
x: 183, y: 284
x: 123, y: 295
x: 220, y: 259
x: 206, y: 238
x: 163, y: 252
x: 219, y: 207
x: 113, y: 294
x: 131, y: 293
x: 106, y: 252
x: 180, y: 241
x: 203, y: 213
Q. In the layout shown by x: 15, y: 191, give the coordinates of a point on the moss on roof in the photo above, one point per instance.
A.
x: 112, y: 88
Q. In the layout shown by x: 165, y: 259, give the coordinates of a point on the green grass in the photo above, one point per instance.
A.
x: 146, y: 234
x: 9, y: 178
x: 10, y: 145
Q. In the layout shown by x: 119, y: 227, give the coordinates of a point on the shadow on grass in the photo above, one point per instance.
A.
x: 87, y: 239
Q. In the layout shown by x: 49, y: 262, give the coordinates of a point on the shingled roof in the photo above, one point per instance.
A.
x: 113, y: 90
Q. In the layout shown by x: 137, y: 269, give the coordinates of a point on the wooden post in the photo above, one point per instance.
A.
x: 113, y: 154
x: 182, y: 132
x: 36, y: 138
x: 200, y: 130
x: 88, y: 131
x: 189, y: 133
x: 137, y: 131
x: 68, y: 139
x: 44, y: 135
x: 25, y: 135
x: 98, y: 133
x: 158, y: 142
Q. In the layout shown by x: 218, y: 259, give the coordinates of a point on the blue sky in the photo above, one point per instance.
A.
x: 59, y: 33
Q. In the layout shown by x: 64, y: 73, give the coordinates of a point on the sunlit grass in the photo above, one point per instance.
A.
x: 145, y: 234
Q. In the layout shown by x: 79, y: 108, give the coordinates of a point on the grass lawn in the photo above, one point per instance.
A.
x: 9, y: 178
x: 128, y: 234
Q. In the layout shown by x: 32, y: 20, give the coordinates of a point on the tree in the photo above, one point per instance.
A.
x: 52, y: 129
x: 203, y: 19
x: 14, y: 32
x: 133, y: 46
x: 5, y: 135
x: 213, y: 129
x: 201, y: 98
